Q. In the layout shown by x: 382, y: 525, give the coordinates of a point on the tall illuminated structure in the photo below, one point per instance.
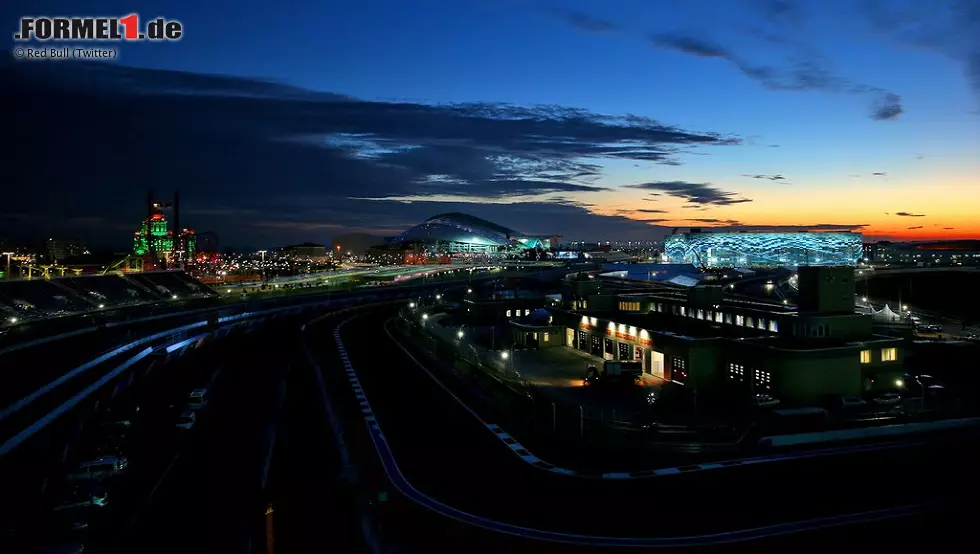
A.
x: 751, y: 249
x: 155, y: 242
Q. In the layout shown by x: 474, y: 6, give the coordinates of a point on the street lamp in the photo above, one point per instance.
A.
x: 459, y: 334
x: 262, y: 252
x: 6, y: 274
x: 411, y: 305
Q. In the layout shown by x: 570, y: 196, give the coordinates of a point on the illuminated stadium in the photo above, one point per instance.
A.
x: 763, y: 249
x: 458, y: 233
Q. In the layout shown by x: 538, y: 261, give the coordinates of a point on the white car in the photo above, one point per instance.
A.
x: 888, y: 399
x: 186, y: 420
x: 764, y: 400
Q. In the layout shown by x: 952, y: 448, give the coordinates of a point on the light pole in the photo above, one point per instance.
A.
x: 262, y: 252
x: 6, y: 274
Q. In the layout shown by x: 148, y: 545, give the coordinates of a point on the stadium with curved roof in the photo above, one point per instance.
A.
x: 463, y: 233
x: 754, y: 249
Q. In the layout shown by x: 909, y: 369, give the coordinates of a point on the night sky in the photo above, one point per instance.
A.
x: 294, y: 121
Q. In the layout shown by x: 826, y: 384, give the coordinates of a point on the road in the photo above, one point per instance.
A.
x: 265, y: 440
x: 449, y: 456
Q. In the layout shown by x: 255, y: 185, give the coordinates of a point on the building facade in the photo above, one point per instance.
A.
x: 702, y: 340
x: 709, y: 250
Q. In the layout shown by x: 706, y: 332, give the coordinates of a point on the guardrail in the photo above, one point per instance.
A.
x: 292, y: 300
x: 802, y: 439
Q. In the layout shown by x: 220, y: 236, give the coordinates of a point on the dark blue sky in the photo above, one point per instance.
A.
x: 660, y: 113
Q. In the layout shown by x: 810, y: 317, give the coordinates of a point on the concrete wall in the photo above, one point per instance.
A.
x: 809, y: 381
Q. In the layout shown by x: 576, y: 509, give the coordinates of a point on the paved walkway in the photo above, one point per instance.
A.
x: 557, y: 371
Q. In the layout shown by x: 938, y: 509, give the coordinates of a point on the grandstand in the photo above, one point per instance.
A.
x: 40, y: 299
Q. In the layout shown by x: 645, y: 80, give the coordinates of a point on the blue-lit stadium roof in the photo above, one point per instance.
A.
x: 466, y: 229
x: 764, y: 249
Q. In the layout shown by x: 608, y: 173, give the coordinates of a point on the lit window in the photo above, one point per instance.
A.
x: 774, y: 326
x: 508, y: 313
x: 740, y: 320
x: 527, y: 312
x: 865, y: 356
x: 547, y: 337
x: 889, y: 354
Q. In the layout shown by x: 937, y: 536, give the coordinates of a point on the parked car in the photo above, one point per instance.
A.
x: 99, y: 469
x: 186, y: 420
x: 198, y: 399
x: 888, y: 399
x: 82, y: 496
x: 762, y: 400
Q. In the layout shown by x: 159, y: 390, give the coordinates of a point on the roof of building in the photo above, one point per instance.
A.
x: 460, y: 227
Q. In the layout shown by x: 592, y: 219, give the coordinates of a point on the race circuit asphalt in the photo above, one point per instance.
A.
x: 446, y: 454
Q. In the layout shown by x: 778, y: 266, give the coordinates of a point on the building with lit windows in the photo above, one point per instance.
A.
x: 155, y: 242
x: 926, y: 254
x: 750, y: 249
x: 703, y: 339
x: 458, y: 233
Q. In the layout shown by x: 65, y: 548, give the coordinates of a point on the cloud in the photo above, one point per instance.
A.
x: 649, y: 211
x: 780, y: 12
x: 694, y: 193
x: 948, y: 228
x: 768, y: 177
x: 916, y: 227
x: 908, y: 214
x: 714, y: 220
x: 816, y: 227
x: 692, y: 46
x: 238, y: 146
x: 950, y: 28
x: 880, y: 173
x: 582, y: 21
x: 806, y: 71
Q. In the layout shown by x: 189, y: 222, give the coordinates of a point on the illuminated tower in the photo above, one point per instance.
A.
x: 155, y: 242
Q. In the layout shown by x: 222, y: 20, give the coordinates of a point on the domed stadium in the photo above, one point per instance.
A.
x: 463, y: 233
